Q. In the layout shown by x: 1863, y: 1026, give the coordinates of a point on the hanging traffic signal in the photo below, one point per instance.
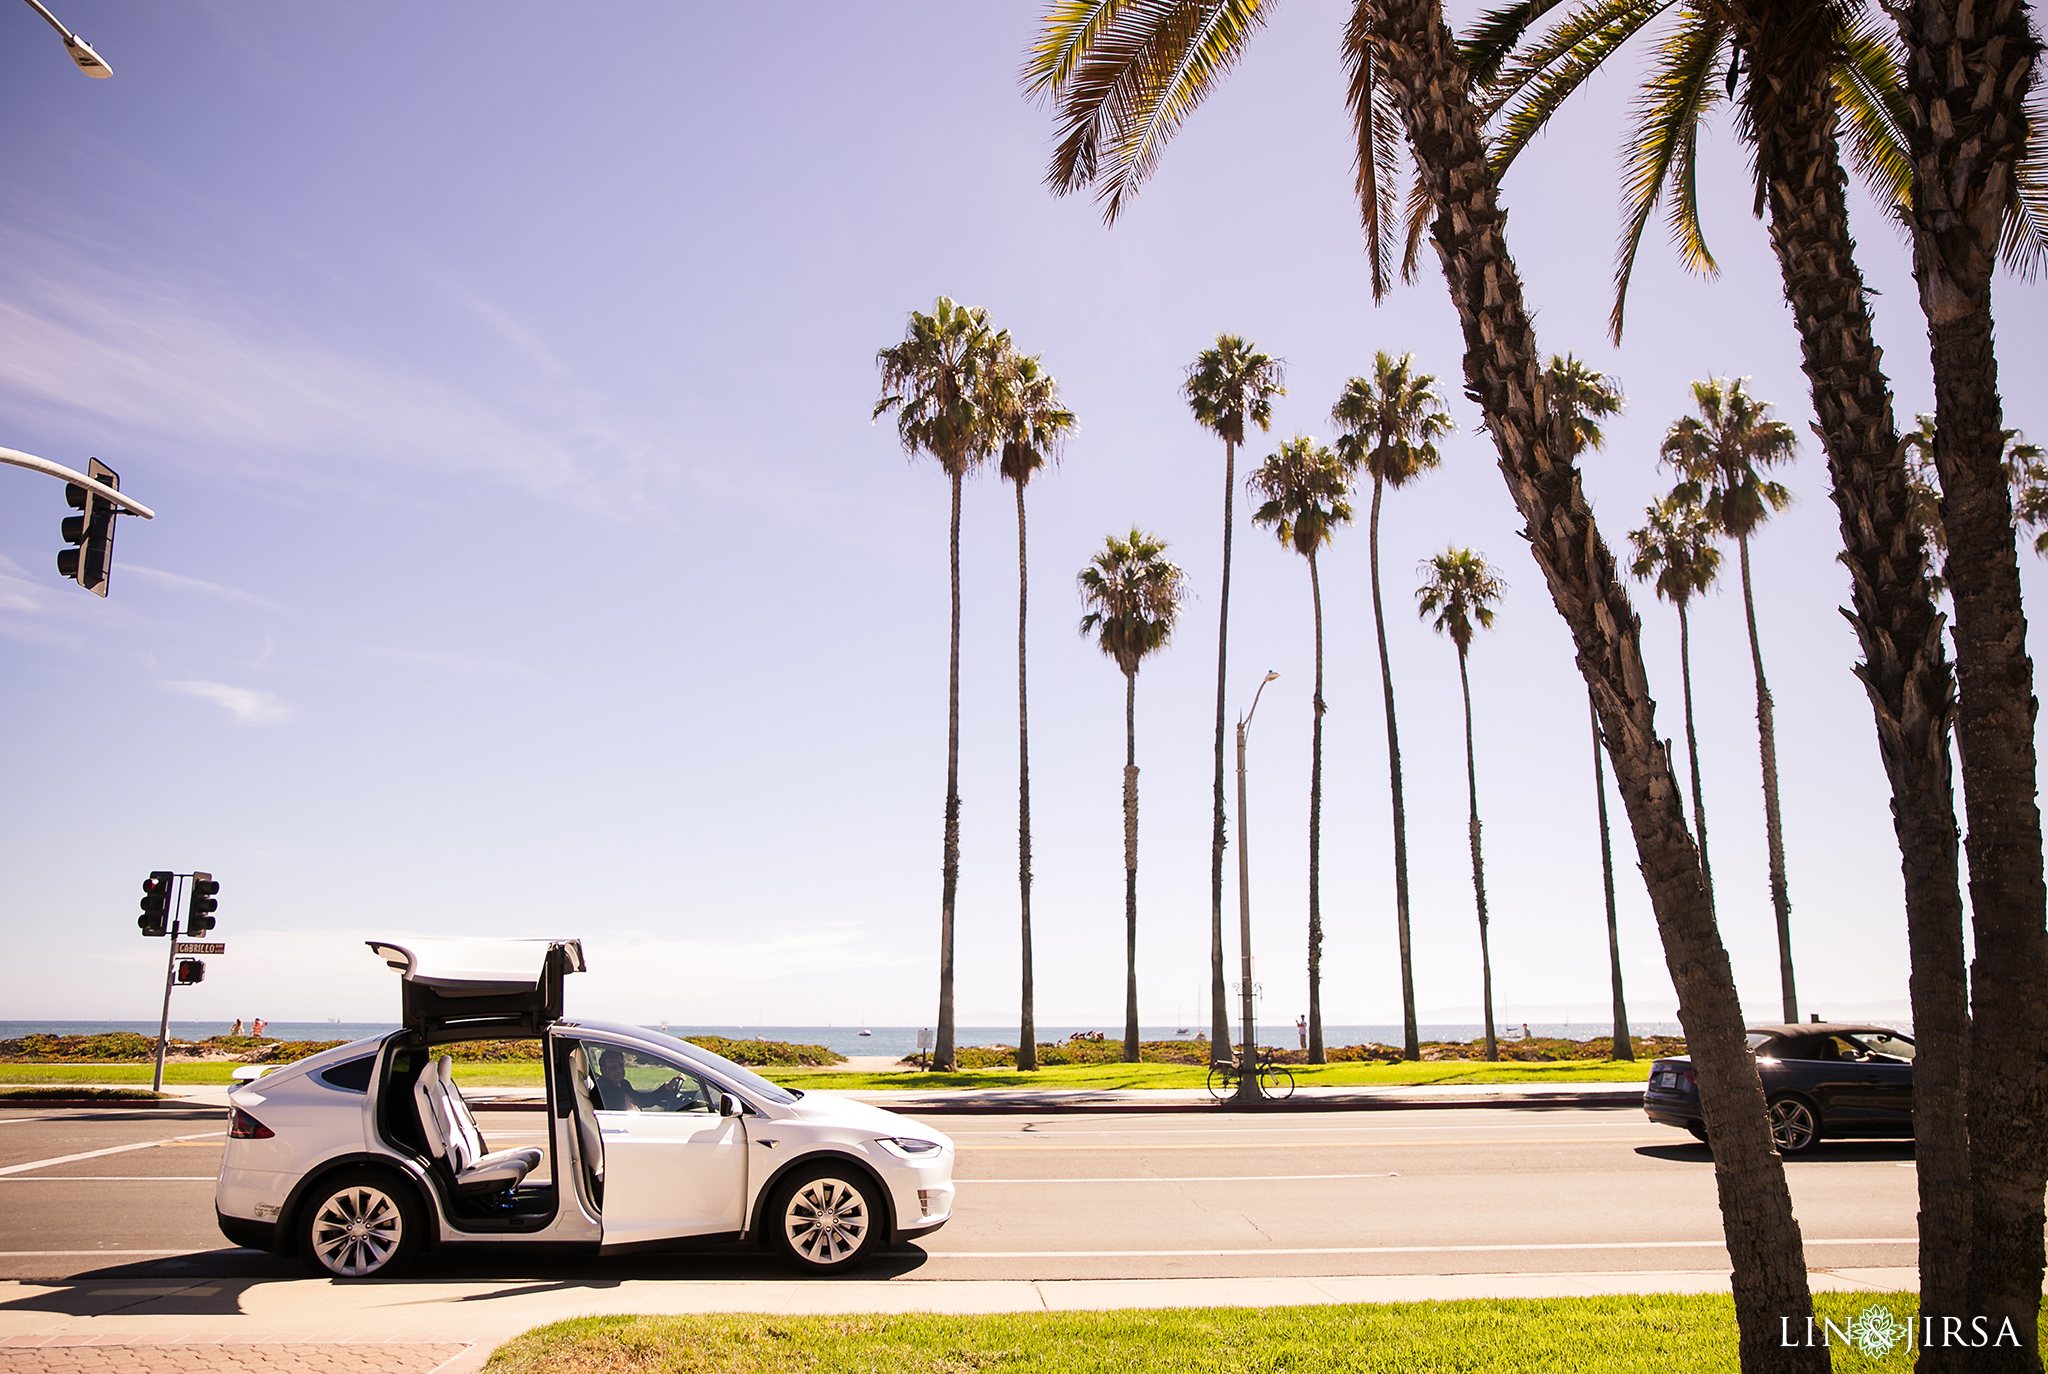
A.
x: 191, y: 971
x: 199, y: 916
x: 91, y: 532
x: 156, y: 904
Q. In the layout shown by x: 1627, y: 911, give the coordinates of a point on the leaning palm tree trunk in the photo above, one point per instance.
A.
x: 1027, y: 1032
x: 1219, y: 1004
x: 1692, y: 752
x: 1411, y: 1047
x: 1478, y: 864
x: 1774, y: 830
x: 1503, y: 372
x: 1968, y: 77
x: 1315, y: 839
x: 1904, y: 671
x: 1130, y: 868
x: 1624, y: 1044
x: 942, y: 1041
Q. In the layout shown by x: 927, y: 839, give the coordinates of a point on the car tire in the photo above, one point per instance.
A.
x: 827, y: 1218
x: 1698, y: 1129
x: 1795, y: 1125
x: 361, y: 1224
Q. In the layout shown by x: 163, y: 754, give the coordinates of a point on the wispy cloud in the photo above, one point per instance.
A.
x: 124, y: 354
x: 450, y: 662
x: 248, y: 705
x: 180, y: 582
x: 29, y: 609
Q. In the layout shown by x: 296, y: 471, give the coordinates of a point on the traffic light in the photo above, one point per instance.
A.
x: 91, y: 532
x: 156, y: 904
x: 191, y: 971
x: 199, y: 914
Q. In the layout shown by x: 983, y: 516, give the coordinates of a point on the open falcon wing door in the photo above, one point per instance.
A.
x: 477, y: 989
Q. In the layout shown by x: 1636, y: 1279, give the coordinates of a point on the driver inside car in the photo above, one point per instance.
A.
x: 617, y: 1095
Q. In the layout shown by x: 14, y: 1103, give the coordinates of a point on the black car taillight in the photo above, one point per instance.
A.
x: 243, y: 1126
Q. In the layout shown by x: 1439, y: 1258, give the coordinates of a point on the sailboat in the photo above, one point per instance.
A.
x: 864, y: 1024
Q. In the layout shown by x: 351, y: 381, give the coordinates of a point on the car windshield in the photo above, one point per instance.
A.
x: 738, y: 1075
x: 1758, y: 1040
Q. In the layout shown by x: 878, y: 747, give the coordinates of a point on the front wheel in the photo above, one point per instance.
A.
x: 1276, y: 1082
x: 1222, y: 1081
x: 362, y: 1224
x: 1794, y: 1128
x: 826, y: 1219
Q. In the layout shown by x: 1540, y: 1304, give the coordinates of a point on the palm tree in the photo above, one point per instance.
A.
x: 1306, y: 491
x: 1675, y: 553
x: 1136, y: 595
x: 1717, y: 455
x: 1123, y: 80
x: 1033, y: 425
x: 1390, y: 423
x: 1227, y: 385
x: 1584, y: 397
x: 1461, y: 589
x: 938, y: 382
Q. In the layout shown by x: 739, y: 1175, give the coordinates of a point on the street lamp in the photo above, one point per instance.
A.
x: 1247, y: 1071
x: 89, y: 62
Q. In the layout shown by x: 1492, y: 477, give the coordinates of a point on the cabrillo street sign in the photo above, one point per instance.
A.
x: 202, y: 947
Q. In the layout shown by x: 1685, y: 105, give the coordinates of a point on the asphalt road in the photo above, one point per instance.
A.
x: 1493, y: 1190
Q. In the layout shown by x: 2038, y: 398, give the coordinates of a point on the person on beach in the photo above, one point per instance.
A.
x: 238, y: 1027
x: 256, y: 1026
x: 1301, y: 1029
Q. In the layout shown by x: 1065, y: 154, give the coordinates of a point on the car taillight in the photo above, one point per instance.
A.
x: 243, y: 1126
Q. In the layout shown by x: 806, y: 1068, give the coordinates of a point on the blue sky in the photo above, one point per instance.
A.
x: 526, y: 561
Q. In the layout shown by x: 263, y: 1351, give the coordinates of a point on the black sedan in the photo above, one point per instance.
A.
x: 1821, y: 1079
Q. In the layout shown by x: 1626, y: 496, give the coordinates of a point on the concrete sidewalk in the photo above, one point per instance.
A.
x: 452, y: 1326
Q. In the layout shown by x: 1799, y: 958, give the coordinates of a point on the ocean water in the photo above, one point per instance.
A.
x: 848, y: 1040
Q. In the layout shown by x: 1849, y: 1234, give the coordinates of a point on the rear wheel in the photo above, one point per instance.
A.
x: 827, y: 1219
x: 1276, y: 1082
x: 1698, y: 1129
x: 1794, y: 1126
x: 1222, y: 1081
x: 362, y: 1224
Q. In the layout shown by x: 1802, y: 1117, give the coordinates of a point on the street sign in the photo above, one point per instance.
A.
x: 202, y: 947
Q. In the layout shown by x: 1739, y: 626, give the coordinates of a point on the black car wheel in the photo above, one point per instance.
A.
x: 826, y: 1219
x: 1794, y: 1125
x: 1698, y: 1129
x: 362, y: 1224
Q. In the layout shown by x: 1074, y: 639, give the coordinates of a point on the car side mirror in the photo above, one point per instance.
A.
x: 728, y: 1105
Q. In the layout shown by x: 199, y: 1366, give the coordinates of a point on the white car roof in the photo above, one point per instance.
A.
x: 476, y: 967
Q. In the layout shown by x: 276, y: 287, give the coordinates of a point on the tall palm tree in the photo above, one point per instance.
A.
x: 938, y: 382
x: 1461, y: 589
x: 1123, y: 80
x: 1718, y: 455
x: 1228, y: 385
x: 1033, y: 425
x: 1307, y: 495
x: 1583, y: 397
x: 1136, y: 595
x: 1675, y: 553
x: 1390, y: 423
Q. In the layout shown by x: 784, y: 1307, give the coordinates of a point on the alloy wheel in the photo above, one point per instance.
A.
x: 357, y: 1230
x: 1793, y: 1129
x: 826, y: 1220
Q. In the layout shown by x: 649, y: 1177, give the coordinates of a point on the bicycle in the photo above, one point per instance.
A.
x: 1275, y: 1081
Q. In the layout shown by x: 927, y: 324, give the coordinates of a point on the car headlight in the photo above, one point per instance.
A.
x: 909, y: 1147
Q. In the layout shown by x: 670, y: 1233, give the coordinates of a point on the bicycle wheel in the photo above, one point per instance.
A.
x: 1276, y: 1082
x: 1222, y: 1081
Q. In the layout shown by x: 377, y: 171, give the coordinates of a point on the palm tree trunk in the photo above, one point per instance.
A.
x: 1692, y: 751
x: 1315, y: 840
x: 1624, y: 1043
x: 942, y: 1041
x: 1904, y: 670
x: 1027, y: 1033
x: 1967, y: 77
x: 1774, y: 834
x: 1130, y: 868
x: 1411, y: 1046
x: 1478, y: 865
x: 1503, y: 372
x: 1219, y: 1005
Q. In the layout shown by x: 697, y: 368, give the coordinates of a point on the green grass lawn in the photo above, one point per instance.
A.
x: 1611, y: 1335
x: 1076, y: 1076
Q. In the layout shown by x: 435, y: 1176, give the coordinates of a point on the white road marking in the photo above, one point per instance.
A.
x: 1265, y: 1129
x: 1230, y: 1178
x: 110, y: 1150
x: 116, y: 1178
x: 1056, y: 1147
x: 39, y: 1254
x: 1373, y: 1249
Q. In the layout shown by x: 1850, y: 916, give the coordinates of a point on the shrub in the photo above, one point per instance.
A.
x: 768, y: 1054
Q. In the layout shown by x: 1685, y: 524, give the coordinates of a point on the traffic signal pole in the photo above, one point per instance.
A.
x: 163, y: 1028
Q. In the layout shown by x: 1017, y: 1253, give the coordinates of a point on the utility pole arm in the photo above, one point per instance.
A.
x: 127, y: 505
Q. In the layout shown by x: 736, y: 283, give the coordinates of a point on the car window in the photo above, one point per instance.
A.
x: 1763, y: 1044
x: 1884, y: 1045
x: 351, y: 1075
x: 742, y: 1076
x: 637, y: 1081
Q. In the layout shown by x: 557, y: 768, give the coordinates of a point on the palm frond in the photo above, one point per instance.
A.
x: 1376, y: 126
x: 1071, y: 29
x: 1487, y: 45
x: 1682, y: 89
x: 2023, y: 246
x: 1525, y: 95
x: 1873, y: 105
x: 1421, y: 209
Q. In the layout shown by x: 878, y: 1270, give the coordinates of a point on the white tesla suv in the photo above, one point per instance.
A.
x: 358, y: 1158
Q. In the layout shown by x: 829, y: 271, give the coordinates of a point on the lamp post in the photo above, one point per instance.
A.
x: 1248, y: 1076
x: 79, y: 51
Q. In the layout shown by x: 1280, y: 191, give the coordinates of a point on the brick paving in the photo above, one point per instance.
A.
x: 200, y: 1355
